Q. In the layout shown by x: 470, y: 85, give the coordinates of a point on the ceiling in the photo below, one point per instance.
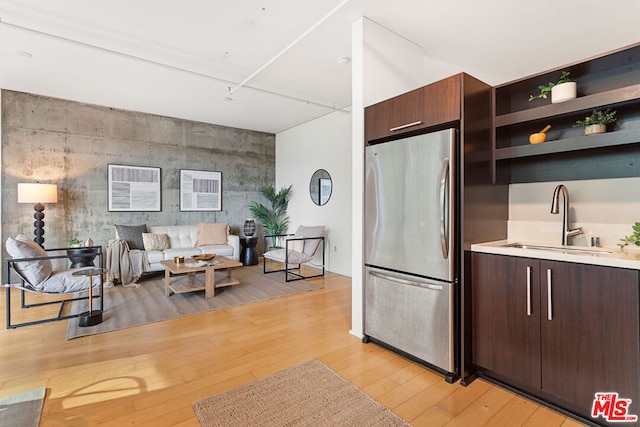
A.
x: 278, y: 59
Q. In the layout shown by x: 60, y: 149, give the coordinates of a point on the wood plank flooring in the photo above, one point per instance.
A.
x: 150, y: 375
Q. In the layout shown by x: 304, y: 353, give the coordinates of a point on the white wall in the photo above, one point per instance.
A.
x: 606, y: 208
x: 2, y: 237
x: 391, y: 64
x: 324, y: 143
x: 383, y: 65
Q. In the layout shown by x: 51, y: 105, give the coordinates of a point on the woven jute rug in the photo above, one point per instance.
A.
x: 308, y: 394
x: 22, y: 410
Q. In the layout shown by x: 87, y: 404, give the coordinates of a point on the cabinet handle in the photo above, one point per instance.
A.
x: 408, y: 125
x: 528, y: 290
x: 549, y: 288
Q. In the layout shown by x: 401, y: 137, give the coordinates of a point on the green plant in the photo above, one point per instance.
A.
x: 633, y: 238
x: 546, y: 89
x: 274, y: 219
x: 598, y: 117
x: 72, y: 241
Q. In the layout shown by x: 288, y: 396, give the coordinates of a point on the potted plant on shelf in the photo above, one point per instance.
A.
x: 597, y: 122
x: 563, y: 90
x: 274, y: 219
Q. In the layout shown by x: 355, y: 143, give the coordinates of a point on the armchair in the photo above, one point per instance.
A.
x: 299, y: 249
x: 36, y: 275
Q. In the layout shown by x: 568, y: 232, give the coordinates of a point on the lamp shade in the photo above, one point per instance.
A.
x: 37, y: 193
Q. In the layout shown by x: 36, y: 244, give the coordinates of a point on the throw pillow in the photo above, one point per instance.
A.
x: 212, y: 234
x: 132, y: 234
x: 34, y: 272
x: 155, y: 242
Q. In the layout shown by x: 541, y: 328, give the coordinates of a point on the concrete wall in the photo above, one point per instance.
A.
x: 70, y: 144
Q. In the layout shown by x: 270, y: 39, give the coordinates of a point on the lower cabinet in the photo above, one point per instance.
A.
x: 557, y: 330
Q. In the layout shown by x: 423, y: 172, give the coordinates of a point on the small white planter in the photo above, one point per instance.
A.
x: 563, y: 92
x: 593, y: 129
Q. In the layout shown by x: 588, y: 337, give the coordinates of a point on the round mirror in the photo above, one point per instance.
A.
x: 320, y: 187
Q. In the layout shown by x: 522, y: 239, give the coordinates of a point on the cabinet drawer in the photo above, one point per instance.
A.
x: 432, y: 105
x: 394, y: 116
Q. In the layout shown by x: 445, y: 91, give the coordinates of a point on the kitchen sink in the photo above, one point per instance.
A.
x: 563, y: 249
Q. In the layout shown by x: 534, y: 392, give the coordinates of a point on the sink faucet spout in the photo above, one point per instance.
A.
x: 566, y: 231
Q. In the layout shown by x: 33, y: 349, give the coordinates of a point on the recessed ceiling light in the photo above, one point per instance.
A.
x: 24, y: 53
x: 344, y: 60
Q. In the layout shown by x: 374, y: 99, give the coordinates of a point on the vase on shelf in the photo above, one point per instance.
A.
x: 249, y: 227
x: 563, y: 92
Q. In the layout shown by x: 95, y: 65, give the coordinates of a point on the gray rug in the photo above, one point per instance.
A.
x: 131, y: 306
x: 22, y: 410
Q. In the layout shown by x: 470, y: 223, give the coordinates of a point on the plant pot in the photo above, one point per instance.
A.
x: 593, y: 129
x: 563, y: 92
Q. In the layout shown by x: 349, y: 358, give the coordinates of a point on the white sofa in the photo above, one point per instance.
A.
x: 182, y: 240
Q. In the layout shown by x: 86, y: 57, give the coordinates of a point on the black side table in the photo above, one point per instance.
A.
x: 82, y: 257
x: 248, y: 253
x: 91, y: 317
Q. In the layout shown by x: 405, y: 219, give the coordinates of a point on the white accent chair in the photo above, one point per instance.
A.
x: 299, y: 248
x: 34, y: 268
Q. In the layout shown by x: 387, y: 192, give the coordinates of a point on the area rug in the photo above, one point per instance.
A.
x: 22, y: 410
x: 308, y: 394
x: 127, y: 307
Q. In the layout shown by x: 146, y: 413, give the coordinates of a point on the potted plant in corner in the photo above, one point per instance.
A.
x: 597, y: 122
x: 274, y: 219
x: 563, y: 90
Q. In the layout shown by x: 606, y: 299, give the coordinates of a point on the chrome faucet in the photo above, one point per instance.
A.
x: 566, y: 231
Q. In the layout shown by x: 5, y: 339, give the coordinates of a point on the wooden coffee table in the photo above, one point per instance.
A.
x: 186, y: 279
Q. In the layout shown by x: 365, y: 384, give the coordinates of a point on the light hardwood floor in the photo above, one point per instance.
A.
x: 150, y: 375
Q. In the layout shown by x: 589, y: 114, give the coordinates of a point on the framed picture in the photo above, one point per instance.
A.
x: 133, y: 188
x: 325, y: 190
x: 200, y: 190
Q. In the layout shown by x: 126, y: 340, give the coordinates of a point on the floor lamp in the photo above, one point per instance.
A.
x: 38, y: 193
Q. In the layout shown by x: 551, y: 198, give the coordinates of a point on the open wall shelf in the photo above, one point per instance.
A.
x: 610, y: 80
x: 609, y: 139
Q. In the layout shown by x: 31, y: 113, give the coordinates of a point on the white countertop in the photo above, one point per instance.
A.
x: 629, y: 258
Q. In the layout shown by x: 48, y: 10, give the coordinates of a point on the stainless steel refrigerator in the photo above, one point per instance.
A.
x: 410, y: 250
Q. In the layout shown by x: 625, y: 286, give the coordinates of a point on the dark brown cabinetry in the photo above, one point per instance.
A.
x: 506, y: 325
x: 557, y: 330
x: 612, y: 81
x: 412, y: 112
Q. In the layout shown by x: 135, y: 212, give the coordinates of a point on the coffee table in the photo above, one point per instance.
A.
x: 187, y: 279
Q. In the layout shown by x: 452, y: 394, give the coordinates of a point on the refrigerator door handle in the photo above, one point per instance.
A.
x: 444, y: 229
x: 405, y: 282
